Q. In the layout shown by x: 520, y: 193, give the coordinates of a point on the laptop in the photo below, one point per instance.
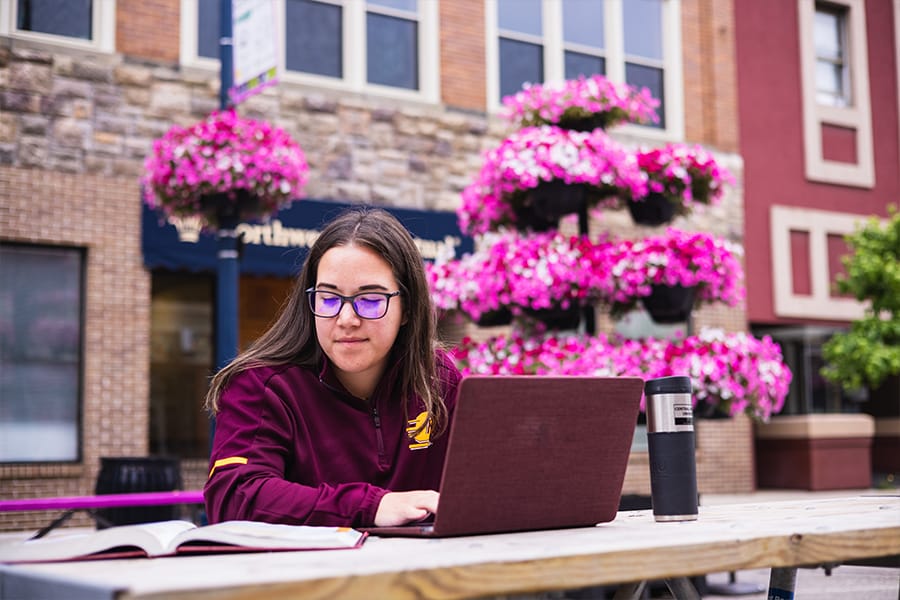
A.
x: 533, y: 452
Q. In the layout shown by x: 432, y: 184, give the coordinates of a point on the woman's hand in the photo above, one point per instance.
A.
x: 398, y: 508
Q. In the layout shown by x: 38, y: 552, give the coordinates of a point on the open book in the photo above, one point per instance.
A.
x: 168, y: 538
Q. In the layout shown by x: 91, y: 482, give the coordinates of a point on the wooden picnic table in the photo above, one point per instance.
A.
x: 632, y: 548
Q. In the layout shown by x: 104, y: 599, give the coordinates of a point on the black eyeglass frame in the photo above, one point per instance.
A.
x: 311, y: 292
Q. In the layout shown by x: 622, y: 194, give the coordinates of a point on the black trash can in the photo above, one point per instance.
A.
x: 130, y: 474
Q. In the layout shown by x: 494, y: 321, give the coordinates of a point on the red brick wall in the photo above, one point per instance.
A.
x: 725, y: 458
x: 148, y: 29
x: 463, y: 54
x: 710, y: 84
x: 102, y: 215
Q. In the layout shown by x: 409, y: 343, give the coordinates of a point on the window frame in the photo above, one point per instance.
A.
x: 857, y: 115
x: 845, y: 93
x: 614, y: 53
x: 78, y: 423
x: 354, y: 50
x: 103, y: 28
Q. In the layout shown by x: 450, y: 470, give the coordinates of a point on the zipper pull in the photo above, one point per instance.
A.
x: 378, y: 439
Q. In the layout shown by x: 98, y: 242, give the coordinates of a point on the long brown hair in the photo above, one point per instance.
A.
x: 291, y: 339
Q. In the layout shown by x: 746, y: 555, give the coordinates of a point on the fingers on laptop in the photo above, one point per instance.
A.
x: 397, y: 508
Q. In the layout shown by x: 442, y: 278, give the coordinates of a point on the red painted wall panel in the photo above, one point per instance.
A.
x: 802, y: 282
x: 771, y: 131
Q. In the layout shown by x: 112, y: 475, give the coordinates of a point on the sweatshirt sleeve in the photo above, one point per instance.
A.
x: 253, y: 439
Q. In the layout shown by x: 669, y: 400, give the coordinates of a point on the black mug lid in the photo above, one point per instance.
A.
x: 676, y: 384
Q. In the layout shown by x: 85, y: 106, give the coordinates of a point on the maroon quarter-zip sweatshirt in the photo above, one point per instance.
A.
x: 293, y: 446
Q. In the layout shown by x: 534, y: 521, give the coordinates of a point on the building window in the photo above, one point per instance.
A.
x: 633, y: 41
x: 41, y: 355
x: 392, y: 43
x: 207, y: 28
x: 71, y: 18
x: 85, y: 23
x: 830, y: 34
x: 521, y: 44
x: 644, y: 64
x: 583, y: 38
x: 388, y: 46
x: 181, y: 341
x: 810, y: 392
x: 314, y: 45
x: 837, y: 114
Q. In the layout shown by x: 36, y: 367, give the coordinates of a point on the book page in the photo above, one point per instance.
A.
x: 141, y: 539
x: 253, y: 534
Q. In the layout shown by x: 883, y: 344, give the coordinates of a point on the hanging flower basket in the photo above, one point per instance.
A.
x: 538, y: 155
x: 677, y: 258
x: 224, y: 167
x: 581, y: 104
x: 670, y: 303
x: 686, y: 176
x: 533, y: 272
x: 652, y: 210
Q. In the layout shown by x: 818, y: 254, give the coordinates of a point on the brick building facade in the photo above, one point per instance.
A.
x: 77, y: 121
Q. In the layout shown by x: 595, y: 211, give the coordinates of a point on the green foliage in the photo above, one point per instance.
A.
x: 870, y: 351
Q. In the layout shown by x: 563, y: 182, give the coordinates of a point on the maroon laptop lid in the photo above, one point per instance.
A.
x: 534, y: 452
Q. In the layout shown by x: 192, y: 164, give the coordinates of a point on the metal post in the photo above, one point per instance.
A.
x: 227, y: 293
x: 228, y: 267
x: 226, y: 49
x: 782, y: 581
x: 588, y: 315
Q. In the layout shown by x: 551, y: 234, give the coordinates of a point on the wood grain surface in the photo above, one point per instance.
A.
x: 633, y: 547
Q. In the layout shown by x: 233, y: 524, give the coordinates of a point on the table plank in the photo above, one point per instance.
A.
x: 631, y: 548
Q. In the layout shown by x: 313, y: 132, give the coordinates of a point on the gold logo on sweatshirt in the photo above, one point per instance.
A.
x: 421, y: 437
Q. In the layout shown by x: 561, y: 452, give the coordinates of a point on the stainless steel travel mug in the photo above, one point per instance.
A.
x: 670, y: 439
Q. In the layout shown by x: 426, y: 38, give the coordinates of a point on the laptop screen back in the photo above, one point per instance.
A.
x: 536, y: 452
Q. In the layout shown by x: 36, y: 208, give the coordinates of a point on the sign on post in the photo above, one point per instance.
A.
x: 255, y: 56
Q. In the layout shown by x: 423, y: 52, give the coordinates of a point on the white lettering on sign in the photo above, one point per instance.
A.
x: 274, y: 233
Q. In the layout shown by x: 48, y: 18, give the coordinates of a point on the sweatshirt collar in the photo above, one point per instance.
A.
x: 329, y: 379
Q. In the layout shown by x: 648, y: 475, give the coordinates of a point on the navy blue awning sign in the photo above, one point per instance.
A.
x: 278, y: 246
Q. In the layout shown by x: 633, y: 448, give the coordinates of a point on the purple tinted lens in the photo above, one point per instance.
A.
x: 371, y: 306
x: 326, y: 304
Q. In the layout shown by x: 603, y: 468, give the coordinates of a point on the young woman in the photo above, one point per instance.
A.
x: 334, y: 416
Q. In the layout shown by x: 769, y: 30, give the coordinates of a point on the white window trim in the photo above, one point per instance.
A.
x: 354, y: 54
x: 103, y: 28
x: 857, y: 117
x: 615, y: 60
x: 819, y: 224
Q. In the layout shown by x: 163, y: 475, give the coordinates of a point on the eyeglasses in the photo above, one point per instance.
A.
x: 366, y: 305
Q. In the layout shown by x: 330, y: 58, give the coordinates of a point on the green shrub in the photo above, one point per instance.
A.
x: 870, y: 351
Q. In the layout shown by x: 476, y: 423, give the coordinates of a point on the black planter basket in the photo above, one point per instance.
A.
x: 589, y: 123
x: 495, y: 318
x: 654, y: 209
x: 557, y: 318
x: 227, y: 209
x: 706, y: 410
x: 670, y: 304
x: 542, y: 207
